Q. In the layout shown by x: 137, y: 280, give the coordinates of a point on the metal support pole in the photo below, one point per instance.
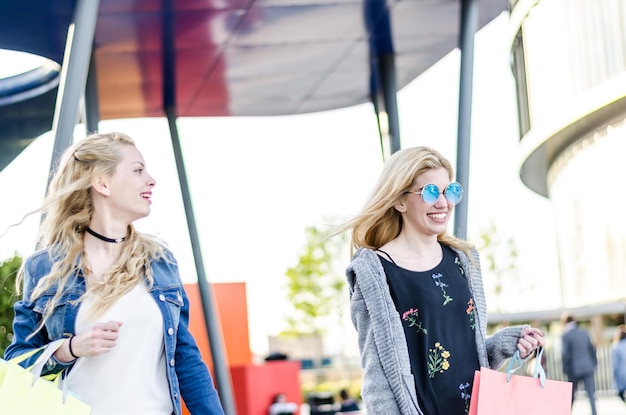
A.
x: 220, y: 360
x: 469, y: 26
x: 383, y: 73
x: 212, y: 323
x: 73, y: 78
x: 374, y: 99
x: 387, y: 71
x: 92, y: 107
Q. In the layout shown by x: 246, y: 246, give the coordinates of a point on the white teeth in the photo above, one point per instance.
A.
x: 438, y: 215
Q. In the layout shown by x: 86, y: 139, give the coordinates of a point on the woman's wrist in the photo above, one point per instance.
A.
x: 74, y: 356
x: 65, y: 353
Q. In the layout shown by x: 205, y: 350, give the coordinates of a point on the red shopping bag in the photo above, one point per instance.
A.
x: 504, y: 393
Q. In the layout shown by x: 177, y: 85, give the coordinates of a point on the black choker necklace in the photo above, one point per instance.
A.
x: 104, y: 238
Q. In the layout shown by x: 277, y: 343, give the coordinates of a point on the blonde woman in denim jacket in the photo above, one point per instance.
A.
x: 416, y: 294
x: 114, y: 294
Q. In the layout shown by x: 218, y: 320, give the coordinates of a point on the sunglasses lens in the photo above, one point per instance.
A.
x: 430, y: 194
x: 454, y: 193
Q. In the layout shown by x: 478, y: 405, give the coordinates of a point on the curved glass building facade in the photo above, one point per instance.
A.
x: 569, y: 63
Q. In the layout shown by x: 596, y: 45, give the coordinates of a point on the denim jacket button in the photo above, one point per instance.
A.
x: 180, y: 297
x: 170, y: 331
x: 172, y: 362
x: 162, y: 297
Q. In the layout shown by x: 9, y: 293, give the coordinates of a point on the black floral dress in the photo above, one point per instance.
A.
x: 438, y: 315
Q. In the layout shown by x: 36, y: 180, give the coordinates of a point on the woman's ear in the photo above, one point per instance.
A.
x: 400, y: 206
x: 100, y: 185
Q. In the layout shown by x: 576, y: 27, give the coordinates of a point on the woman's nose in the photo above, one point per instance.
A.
x: 440, y: 198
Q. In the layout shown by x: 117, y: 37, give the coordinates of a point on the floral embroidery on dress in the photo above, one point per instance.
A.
x: 442, y: 286
x: 457, y: 261
x: 412, y: 316
x: 465, y: 395
x: 437, y: 360
x: 471, y: 312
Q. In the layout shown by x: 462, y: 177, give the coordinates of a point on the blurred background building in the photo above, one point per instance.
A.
x: 569, y: 62
x: 568, y: 59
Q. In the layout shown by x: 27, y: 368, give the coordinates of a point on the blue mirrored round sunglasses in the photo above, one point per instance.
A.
x: 430, y: 193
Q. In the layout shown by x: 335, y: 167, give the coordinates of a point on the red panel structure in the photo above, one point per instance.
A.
x: 256, y: 385
x: 231, y: 305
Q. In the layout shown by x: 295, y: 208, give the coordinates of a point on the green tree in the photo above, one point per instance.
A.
x: 315, y: 287
x: 8, y: 272
x: 498, y: 255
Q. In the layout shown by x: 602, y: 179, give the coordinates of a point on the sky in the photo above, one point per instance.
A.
x: 258, y: 182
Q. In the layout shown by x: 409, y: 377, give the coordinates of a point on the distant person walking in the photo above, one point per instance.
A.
x: 348, y: 403
x: 618, y: 355
x: 579, y: 359
x: 281, y: 406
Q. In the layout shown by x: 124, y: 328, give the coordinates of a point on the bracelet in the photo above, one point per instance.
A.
x: 71, y: 351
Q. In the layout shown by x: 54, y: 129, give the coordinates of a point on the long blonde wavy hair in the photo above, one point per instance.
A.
x: 379, y: 222
x: 67, y: 210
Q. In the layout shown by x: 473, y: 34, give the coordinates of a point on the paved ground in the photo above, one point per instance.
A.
x: 606, y: 405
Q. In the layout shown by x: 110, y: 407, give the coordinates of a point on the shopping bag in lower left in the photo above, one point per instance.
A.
x: 25, y: 392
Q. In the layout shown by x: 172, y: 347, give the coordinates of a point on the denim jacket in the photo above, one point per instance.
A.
x: 188, y: 375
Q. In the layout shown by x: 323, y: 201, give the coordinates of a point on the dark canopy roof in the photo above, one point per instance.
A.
x: 231, y: 57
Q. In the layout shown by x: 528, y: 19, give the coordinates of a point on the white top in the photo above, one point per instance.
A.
x: 131, y: 379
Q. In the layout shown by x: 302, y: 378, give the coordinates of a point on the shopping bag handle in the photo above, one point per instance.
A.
x: 37, y: 367
x: 24, y: 356
x: 516, y: 362
x: 48, y: 351
x: 539, y: 371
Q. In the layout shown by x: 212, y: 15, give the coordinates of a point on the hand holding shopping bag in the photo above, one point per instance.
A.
x: 496, y: 393
x: 25, y: 392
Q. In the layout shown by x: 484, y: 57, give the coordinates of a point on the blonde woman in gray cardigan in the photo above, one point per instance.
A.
x: 416, y: 294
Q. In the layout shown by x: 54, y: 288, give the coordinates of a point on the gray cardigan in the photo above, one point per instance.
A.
x: 388, y: 385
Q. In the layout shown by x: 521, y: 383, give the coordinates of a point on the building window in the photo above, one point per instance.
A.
x: 518, y: 67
